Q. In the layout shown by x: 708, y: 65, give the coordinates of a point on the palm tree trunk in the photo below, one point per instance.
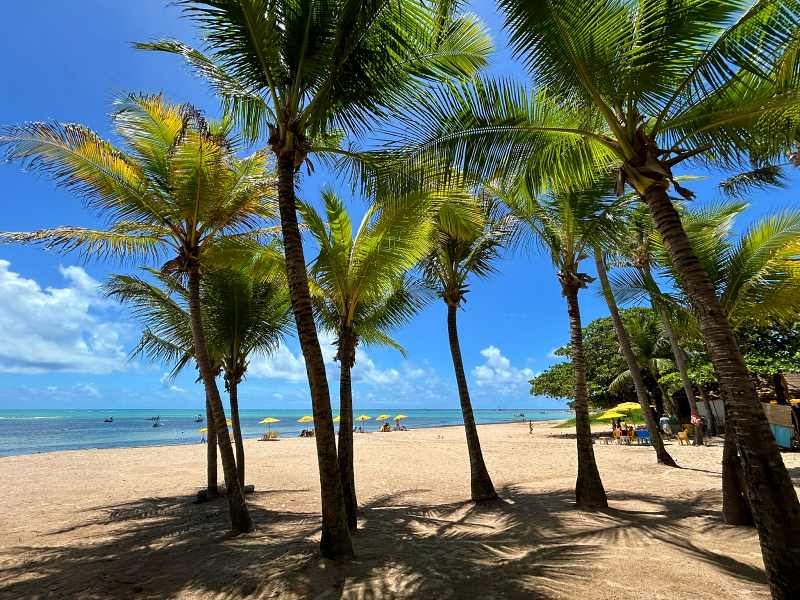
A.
x: 481, y: 484
x: 211, y: 451
x: 335, y: 542
x: 735, y: 509
x: 776, y: 510
x: 346, y: 467
x: 233, y: 394
x: 240, y: 516
x: 662, y: 455
x: 589, y: 491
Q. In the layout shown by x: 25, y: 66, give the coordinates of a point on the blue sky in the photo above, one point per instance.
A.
x: 65, y: 346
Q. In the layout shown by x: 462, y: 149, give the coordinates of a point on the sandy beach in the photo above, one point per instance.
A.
x: 118, y: 523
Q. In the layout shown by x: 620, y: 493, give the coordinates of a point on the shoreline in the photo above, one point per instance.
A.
x: 251, y: 437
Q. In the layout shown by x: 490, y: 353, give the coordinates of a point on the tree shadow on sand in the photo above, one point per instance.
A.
x: 529, y: 545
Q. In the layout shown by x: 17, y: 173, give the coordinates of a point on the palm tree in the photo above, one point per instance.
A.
x: 305, y: 74
x: 454, y: 258
x: 173, y: 194
x: 167, y: 337
x: 361, y: 293
x: 640, y: 88
x: 565, y: 225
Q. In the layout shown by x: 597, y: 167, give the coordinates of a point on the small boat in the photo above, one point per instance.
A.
x: 108, y: 420
x: 156, y: 421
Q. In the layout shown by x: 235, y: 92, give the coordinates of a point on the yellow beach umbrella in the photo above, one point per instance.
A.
x: 626, y: 407
x: 611, y: 414
x: 400, y: 417
x: 203, y: 430
x: 306, y: 419
x: 269, y: 421
x: 229, y: 422
x: 337, y: 418
x: 363, y: 418
x: 383, y: 418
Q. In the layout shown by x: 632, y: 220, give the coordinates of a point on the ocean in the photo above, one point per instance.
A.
x: 32, y: 431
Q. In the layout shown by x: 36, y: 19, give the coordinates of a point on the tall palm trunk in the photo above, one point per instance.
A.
x: 233, y: 394
x: 589, y: 491
x: 335, y: 541
x: 633, y: 365
x: 481, y: 484
x: 346, y: 356
x: 240, y: 516
x: 211, y: 451
x: 735, y: 509
x: 775, y: 507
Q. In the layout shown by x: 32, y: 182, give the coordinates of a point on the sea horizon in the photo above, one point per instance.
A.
x: 32, y: 431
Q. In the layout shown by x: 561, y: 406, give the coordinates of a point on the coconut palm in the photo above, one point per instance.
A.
x: 167, y: 337
x: 631, y: 359
x: 301, y: 74
x: 455, y: 257
x: 361, y: 292
x: 640, y: 88
x: 171, y: 195
x: 243, y: 318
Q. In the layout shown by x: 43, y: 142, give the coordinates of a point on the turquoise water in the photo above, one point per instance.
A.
x: 30, y: 431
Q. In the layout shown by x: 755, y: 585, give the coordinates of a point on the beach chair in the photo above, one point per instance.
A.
x: 615, y: 436
x: 643, y: 437
x: 631, y: 435
x: 272, y: 436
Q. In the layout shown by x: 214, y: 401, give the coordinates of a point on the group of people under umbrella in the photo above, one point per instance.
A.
x: 620, y: 432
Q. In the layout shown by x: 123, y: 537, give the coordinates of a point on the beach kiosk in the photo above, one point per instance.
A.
x: 783, y: 423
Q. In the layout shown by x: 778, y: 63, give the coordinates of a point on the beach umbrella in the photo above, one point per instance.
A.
x: 627, y: 407
x: 383, y: 418
x: 337, y: 418
x: 203, y: 430
x: 305, y: 419
x: 269, y: 421
x: 400, y: 417
x: 611, y: 414
x: 363, y: 418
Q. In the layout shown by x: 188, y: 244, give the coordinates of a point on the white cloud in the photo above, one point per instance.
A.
x: 498, y: 372
x: 56, y: 329
x: 88, y: 389
x: 366, y: 371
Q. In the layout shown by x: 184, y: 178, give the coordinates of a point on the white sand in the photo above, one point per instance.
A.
x: 114, y: 523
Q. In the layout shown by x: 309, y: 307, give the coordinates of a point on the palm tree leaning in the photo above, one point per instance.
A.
x: 361, y: 292
x: 454, y: 258
x: 634, y: 366
x: 640, y: 89
x: 305, y: 74
x: 175, y: 192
